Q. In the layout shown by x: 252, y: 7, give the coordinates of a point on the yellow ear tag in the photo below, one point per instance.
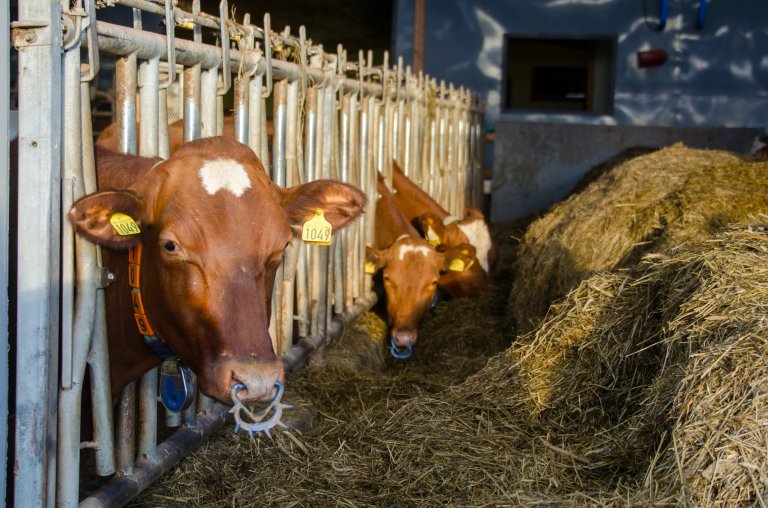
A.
x: 370, y: 268
x: 432, y: 237
x: 317, y: 230
x: 124, y: 224
x: 457, y: 265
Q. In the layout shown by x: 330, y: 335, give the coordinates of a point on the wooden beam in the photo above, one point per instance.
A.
x: 418, y: 35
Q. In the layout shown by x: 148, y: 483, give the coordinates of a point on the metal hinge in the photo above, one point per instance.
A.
x: 29, y: 33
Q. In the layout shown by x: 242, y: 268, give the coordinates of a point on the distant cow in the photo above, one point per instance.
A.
x: 410, y: 270
x: 440, y: 228
x: 212, y: 229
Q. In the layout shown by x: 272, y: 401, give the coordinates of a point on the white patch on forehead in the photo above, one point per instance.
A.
x: 416, y: 249
x: 479, y: 236
x: 224, y: 174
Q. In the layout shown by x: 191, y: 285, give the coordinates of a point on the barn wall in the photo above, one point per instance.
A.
x: 536, y: 164
x: 716, y: 77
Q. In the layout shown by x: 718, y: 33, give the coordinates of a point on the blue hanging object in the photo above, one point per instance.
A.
x: 702, y: 14
x: 400, y: 354
x: 176, y: 385
x: 663, y: 14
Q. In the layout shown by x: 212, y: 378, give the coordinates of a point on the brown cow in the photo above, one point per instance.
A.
x: 108, y: 137
x: 439, y: 227
x: 411, y: 268
x: 212, y: 232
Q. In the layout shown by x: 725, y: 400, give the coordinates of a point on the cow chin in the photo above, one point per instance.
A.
x: 258, y: 377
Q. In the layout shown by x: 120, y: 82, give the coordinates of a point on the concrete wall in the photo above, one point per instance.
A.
x: 536, y: 164
x: 716, y: 78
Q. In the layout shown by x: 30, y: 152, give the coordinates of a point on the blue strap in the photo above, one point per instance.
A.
x: 158, y: 347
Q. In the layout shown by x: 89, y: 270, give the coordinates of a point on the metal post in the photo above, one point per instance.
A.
x: 5, y: 139
x: 37, y: 293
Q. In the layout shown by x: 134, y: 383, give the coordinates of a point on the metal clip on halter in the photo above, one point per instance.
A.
x: 400, y: 354
x: 255, y: 423
x: 177, y: 389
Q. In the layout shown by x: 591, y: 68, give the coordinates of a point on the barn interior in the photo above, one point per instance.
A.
x: 618, y: 357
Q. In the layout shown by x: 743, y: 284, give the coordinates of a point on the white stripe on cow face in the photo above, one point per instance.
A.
x: 416, y: 249
x: 480, y: 237
x: 224, y: 174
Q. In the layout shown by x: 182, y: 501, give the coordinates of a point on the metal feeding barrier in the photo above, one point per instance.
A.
x: 333, y: 116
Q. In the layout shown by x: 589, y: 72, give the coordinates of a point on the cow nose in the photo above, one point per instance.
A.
x: 259, y: 382
x: 404, y: 338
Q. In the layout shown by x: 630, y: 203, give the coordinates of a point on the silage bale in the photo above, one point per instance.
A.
x: 656, y: 201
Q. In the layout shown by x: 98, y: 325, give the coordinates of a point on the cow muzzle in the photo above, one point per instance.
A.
x: 256, y: 382
x: 401, y: 344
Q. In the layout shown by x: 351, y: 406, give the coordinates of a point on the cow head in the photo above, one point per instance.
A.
x: 213, y: 230
x: 472, y: 229
x: 410, y: 270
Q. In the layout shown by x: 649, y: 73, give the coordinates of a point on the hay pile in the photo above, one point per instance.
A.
x: 660, y: 200
x: 644, y: 386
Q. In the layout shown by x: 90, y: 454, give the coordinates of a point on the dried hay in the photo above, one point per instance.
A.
x: 656, y: 201
x: 642, y: 387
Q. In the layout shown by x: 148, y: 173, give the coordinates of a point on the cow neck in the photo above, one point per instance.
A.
x: 151, y: 339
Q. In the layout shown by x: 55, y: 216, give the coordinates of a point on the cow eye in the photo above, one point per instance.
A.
x: 170, y: 246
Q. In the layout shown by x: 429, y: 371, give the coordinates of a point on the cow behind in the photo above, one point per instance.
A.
x: 213, y: 230
x: 440, y: 228
x: 410, y: 269
x: 108, y: 137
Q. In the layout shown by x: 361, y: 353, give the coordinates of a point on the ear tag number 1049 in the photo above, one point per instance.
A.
x: 317, y: 230
x: 124, y: 225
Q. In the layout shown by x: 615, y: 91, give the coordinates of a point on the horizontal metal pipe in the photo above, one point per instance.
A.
x: 122, y: 40
x: 304, y: 347
x: 122, y: 489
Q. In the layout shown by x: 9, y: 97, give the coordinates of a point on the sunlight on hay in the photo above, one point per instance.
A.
x: 661, y: 200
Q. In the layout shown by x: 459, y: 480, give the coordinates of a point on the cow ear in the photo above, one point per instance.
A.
x: 459, y: 258
x: 375, y: 260
x: 340, y: 202
x: 432, y: 228
x: 473, y: 213
x: 110, y: 218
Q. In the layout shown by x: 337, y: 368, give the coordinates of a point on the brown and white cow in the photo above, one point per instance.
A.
x: 410, y: 270
x: 440, y: 228
x: 212, y: 232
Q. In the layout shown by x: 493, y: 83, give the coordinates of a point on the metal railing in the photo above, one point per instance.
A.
x: 332, y: 117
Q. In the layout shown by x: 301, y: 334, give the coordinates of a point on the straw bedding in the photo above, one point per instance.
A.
x: 645, y: 385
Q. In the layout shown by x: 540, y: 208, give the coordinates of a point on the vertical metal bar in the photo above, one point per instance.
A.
x: 5, y: 139
x: 255, y: 105
x: 126, y: 429
x: 125, y: 103
x: 162, y: 123
x: 280, y: 104
x: 72, y: 364
x: 242, y: 85
x: 148, y: 414
x: 101, y: 397
x: 209, y: 81
x: 37, y: 293
x: 149, y: 90
x: 291, y: 255
x: 192, y: 87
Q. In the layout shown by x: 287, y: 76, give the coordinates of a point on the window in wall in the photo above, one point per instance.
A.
x: 559, y: 75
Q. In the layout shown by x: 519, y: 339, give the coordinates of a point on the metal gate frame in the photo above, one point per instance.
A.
x: 333, y: 118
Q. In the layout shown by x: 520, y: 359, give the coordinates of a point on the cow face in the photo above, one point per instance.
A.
x: 410, y: 270
x: 213, y: 230
x: 471, y: 229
